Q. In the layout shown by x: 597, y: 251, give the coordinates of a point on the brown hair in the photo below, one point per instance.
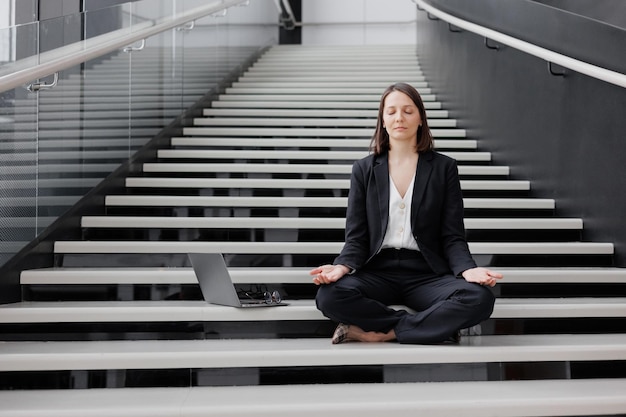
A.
x: 380, y: 139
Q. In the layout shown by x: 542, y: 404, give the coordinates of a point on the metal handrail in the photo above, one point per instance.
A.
x: 287, y: 17
x: 75, y: 54
x: 609, y: 76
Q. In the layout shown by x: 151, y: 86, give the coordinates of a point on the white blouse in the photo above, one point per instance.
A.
x: 398, y: 234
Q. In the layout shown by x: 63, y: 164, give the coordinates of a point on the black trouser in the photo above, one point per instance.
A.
x: 443, y: 304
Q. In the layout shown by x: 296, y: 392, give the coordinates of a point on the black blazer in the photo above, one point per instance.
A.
x: 436, y: 213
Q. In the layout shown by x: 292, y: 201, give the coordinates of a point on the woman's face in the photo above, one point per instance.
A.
x: 401, y: 117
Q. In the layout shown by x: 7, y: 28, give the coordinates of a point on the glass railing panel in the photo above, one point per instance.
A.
x: 58, y: 143
x: 156, y: 87
x: 19, y: 220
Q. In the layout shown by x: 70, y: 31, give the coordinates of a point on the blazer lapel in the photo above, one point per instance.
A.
x: 424, y: 169
x: 381, y: 177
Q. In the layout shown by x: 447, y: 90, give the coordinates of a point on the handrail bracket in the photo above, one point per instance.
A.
x: 38, y: 86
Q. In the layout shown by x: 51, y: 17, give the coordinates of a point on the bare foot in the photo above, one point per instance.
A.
x: 350, y: 333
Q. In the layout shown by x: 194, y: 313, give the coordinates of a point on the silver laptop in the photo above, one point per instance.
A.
x: 217, y: 286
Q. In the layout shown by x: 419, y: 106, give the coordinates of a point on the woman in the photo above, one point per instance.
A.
x: 404, y: 240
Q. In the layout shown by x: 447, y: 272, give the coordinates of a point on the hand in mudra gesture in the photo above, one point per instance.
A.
x: 327, y: 274
x: 482, y: 276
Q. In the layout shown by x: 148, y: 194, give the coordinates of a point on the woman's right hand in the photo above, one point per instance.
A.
x: 327, y: 274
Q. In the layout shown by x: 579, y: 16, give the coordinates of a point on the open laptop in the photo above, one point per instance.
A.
x: 216, y: 284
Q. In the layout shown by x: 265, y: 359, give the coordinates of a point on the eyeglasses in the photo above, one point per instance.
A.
x: 272, y: 297
x: 268, y: 297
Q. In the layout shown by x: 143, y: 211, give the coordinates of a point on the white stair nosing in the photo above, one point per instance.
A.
x: 339, y: 105
x: 238, y: 201
x: 337, y: 62
x: 314, y: 132
x: 381, y: 85
x: 375, y: 98
x: 434, y: 116
x: 483, y: 170
x: 311, y: 90
x: 248, y: 154
x: 282, y: 275
x: 307, y: 223
x: 297, y: 310
x: 271, y: 183
x: 521, y: 398
x: 331, y: 72
x: 304, y: 142
x: 182, y: 247
x: 315, y: 78
x: 239, y: 353
x: 307, y: 121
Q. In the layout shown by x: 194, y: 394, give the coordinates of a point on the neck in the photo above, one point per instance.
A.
x: 402, y: 150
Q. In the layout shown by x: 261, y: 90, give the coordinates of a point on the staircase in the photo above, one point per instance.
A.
x: 263, y: 177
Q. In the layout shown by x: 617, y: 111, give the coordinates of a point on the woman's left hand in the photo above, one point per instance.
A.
x: 482, y: 276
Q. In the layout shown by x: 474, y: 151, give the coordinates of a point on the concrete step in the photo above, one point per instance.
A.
x: 187, y: 167
x: 240, y: 353
x: 316, y: 122
x: 287, y: 104
x: 477, y: 248
x: 268, y: 275
x: 247, y: 154
x: 504, y: 398
x: 307, y: 223
x: 303, y: 132
x: 199, y: 141
x: 270, y: 183
x: 237, y: 201
x: 337, y: 115
x: 288, y: 73
x: 375, y: 98
x: 412, y: 79
x: 297, y: 310
x: 313, y: 90
x: 381, y: 85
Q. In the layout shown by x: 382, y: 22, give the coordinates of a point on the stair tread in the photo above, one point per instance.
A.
x: 238, y: 201
x: 226, y: 353
x: 340, y: 105
x: 477, y: 248
x: 308, y: 90
x: 307, y: 222
x: 471, y: 399
x: 186, y: 167
x: 268, y: 275
x: 198, y: 310
x: 460, y: 156
x: 210, y: 111
x: 168, y: 182
x: 381, y: 85
x: 200, y: 141
x: 310, y: 97
x: 303, y: 132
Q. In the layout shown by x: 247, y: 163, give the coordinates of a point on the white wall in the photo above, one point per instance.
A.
x: 358, y: 22
x: 7, y: 18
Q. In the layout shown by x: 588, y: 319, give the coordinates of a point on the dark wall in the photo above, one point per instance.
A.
x: 612, y: 12
x: 291, y: 35
x: 565, y: 134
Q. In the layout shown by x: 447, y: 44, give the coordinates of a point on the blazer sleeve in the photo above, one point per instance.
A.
x: 355, y: 251
x: 454, y: 243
